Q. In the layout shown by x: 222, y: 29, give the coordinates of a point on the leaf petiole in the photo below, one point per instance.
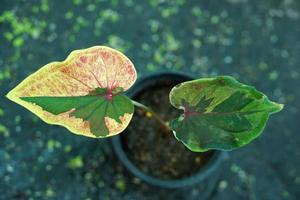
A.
x: 164, y: 125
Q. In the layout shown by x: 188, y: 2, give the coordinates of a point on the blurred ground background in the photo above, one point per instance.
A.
x: 257, y: 42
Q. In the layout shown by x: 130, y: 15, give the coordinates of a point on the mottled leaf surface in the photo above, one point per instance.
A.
x: 82, y: 93
x: 219, y: 113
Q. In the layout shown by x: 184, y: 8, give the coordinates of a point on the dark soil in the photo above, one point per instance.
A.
x: 154, y: 150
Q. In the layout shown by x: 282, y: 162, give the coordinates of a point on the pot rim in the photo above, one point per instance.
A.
x: 204, y: 171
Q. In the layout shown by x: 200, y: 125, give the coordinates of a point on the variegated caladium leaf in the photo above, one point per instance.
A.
x: 82, y: 93
x: 219, y: 113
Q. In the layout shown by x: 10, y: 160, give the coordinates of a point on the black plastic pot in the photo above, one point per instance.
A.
x: 201, y: 176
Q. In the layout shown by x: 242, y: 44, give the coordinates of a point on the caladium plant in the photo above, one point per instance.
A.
x: 85, y: 94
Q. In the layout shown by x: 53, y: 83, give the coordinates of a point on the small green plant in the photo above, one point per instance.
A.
x: 85, y: 93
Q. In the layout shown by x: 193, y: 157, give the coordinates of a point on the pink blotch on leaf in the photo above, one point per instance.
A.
x: 83, y: 59
x: 104, y: 55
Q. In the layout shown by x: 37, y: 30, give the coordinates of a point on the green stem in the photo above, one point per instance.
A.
x: 144, y: 108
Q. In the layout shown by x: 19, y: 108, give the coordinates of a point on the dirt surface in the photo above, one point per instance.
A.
x: 155, y: 150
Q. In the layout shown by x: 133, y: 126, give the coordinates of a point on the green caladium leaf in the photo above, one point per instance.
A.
x: 92, y: 108
x: 219, y: 113
x: 82, y: 93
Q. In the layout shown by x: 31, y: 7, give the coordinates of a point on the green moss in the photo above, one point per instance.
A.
x: 91, y: 7
x: 77, y: 2
x: 1, y: 112
x: 168, y: 12
x: 44, y: 6
x: 118, y: 43
x: 262, y: 66
x: 151, y: 67
x: 4, y: 131
x: 197, y: 11
x: 68, y: 148
x: 196, y: 43
x: 214, y: 19
x: 109, y: 15
x: 171, y: 43
x: 52, y: 144
x: 4, y: 74
x: 8, y: 36
x: 49, y: 192
x: 69, y: 15
x: 35, y: 9
x: 75, y: 163
x: 18, y: 42
x: 120, y: 184
x: 273, y: 75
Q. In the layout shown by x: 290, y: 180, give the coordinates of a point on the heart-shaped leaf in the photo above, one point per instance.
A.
x: 82, y: 93
x: 219, y: 113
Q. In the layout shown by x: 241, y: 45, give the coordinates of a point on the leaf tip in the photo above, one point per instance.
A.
x: 10, y: 95
x: 278, y: 107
